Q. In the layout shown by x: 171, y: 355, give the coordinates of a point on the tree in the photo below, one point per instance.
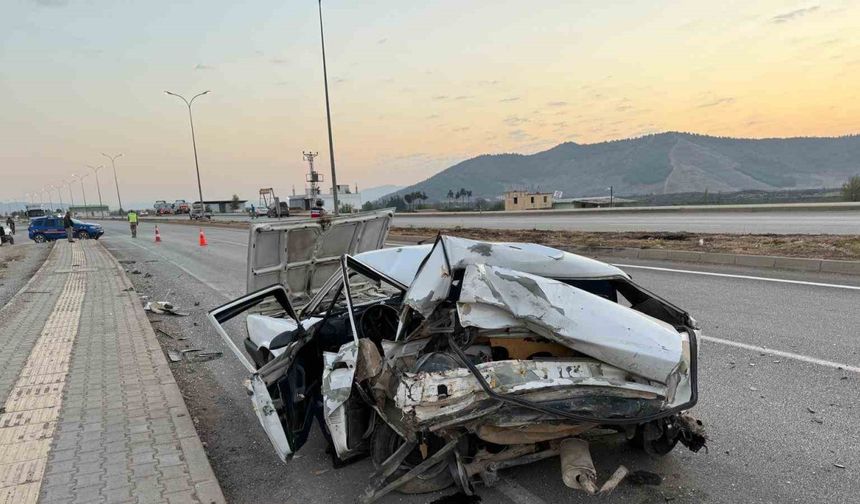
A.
x: 234, y: 203
x: 408, y: 199
x: 851, y: 189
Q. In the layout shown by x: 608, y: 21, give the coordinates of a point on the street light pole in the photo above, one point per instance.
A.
x: 194, y: 145
x: 60, y: 194
x: 47, y: 189
x: 95, y: 170
x: 115, y: 181
x: 69, y: 185
x: 611, y: 197
x: 328, y: 117
x: 83, y: 192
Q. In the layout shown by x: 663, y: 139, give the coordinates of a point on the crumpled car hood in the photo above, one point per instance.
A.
x: 496, y: 298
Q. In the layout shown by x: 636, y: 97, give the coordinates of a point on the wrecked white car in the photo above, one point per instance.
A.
x: 449, y: 362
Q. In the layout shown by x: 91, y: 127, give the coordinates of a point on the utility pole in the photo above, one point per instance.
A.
x: 328, y: 117
x: 313, y: 177
x: 611, y: 197
x: 194, y: 145
x: 115, y: 181
x: 95, y: 170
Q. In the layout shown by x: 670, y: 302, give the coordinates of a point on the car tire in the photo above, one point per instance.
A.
x: 83, y: 235
x: 384, y: 442
x: 40, y: 238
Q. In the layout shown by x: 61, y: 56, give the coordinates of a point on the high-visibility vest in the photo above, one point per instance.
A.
x: 132, y: 217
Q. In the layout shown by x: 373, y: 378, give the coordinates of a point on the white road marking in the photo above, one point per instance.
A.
x: 516, y: 492
x: 216, y: 240
x: 780, y: 353
x: 744, y: 277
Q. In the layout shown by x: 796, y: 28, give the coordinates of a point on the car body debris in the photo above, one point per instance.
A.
x: 450, y: 361
x: 163, y: 307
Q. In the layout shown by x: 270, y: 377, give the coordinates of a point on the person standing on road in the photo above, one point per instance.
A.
x: 132, y: 223
x: 70, y: 228
x: 11, y: 223
x: 253, y: 212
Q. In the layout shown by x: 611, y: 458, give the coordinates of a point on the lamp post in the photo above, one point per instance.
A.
x: 194, y: 145
x: 115, y: 181
x: 59, y: 193
x: 47, y: 189
x: 83, y: 192
x: 71, y: 195
x: 611, y: 196
x: 95, y: 170
x: 328, y: 116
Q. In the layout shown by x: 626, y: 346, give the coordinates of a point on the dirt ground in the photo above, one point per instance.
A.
x: 801, y: 245
x: 17, y: 264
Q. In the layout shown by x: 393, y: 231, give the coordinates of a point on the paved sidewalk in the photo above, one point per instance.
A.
x: 90, y: 410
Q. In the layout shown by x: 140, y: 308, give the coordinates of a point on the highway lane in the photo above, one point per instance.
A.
x: 778, y: 424
x: 806, y: 222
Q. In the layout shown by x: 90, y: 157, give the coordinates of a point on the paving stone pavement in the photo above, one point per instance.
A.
x: 118, y: 428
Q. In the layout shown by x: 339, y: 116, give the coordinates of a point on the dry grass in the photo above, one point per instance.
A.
x: 845, y: 247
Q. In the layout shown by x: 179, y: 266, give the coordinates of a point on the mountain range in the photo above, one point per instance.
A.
x: 662, y: 163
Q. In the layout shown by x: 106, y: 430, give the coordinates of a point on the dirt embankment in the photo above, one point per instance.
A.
x: 844, y: 247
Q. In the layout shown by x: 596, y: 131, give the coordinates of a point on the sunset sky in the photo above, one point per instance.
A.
x: 415, y: 86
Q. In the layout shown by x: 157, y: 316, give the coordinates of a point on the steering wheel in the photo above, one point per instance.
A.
x: 379, y: 322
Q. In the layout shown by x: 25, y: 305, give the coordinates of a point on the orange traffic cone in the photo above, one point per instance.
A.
x: 202, y: 238
x: 157, y: 235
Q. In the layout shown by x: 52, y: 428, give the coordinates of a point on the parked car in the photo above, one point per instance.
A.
x: 448, y: 361
x: 199, y: 212
x: 180, y: 206
x: 143, y: 213
x: 162, y: 207
x: 42, y: 229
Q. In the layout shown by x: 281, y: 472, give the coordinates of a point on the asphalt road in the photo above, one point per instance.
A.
x: 781, y: 415
x: 759, y: 221
x: 806, y: 222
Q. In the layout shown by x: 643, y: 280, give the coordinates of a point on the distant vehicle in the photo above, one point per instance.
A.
x: 181, y: 206
x: 143, y: 213
x: 163, y: 208
x: 273, y: 210
x: 49, y: 228
x: 198, y: 212
x: 261, y: 211
x: 35, y: 211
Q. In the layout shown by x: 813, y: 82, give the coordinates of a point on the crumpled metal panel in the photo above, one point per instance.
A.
x: 433, y: 280
x: 590, y: 324
x: 338, y: 373
x: 399, y: 263
x: 431, y: 395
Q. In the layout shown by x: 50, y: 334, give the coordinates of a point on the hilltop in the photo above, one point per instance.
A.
x: 663, y: 163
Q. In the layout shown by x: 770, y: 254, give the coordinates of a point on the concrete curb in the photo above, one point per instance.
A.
x: 206, y: 485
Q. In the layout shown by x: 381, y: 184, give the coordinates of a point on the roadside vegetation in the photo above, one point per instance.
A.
x: 851, y: 189
x: 816, y: 246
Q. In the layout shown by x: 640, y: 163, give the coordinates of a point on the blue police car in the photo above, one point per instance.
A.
x: 50, y: 227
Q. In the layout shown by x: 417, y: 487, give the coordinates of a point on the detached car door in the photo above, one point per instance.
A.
x: 284, y: 399
x: 288, y: 263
